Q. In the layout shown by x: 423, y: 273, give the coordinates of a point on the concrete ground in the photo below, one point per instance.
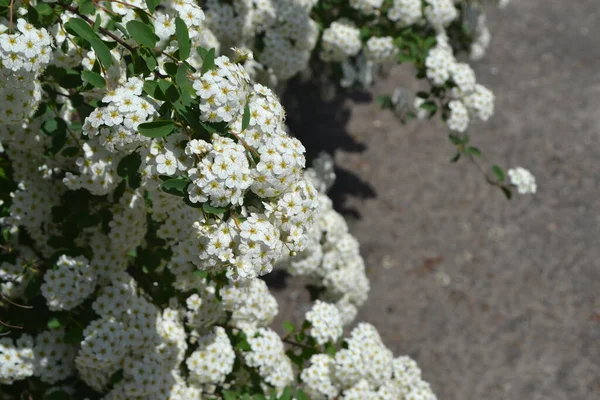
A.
x: 495, y: 299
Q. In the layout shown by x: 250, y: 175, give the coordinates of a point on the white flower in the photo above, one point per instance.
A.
x: 166, y: 163
x: 523, y: 180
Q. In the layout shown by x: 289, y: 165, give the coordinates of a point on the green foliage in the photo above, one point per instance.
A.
x: 156, y: 128
x: 142, y: 33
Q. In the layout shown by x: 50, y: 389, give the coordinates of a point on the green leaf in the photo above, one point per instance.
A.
x: 498, y: 172
x: 330, y: 349
x: 201, y: 274
x: 70, y: 151
x: 151, y: 88
x: 429, y: 106
x: 213, y: 210
x: 300, y: 395
x: 184, y: 85
x: 170, y: 68
x: 288, y: 394
x: 97, y: 23
x: 43, y: 9
x: 229, y: 395
x: 506, y: 192
x: 246, y: 117
x: 474, y: 151
x: 102, y: 52
x: 157, y: 128
x: 54, y: 126
x: 73, y: 335
x: 455, y: 158
x: 141, y: 33
x: 129, y: 163
x: 208, y: 61
x: 175, y: 186
x: 54, y: 323
x: 94, y: 79
x: 87, y: 7
x: 152, y: 4
x: 289, y: 326
x: 168, y: 89
x: 80, y: 28
x: 183, y: 39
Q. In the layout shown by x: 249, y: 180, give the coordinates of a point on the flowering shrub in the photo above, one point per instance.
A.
x: 147, y: 181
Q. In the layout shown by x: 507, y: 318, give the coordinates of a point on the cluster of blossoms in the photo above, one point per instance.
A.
x: 332, y: 258
x: 365, y: 369
x: 25, y: 53
x: 523, y: 180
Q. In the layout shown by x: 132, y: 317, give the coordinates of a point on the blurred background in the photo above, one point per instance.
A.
x: 495, y: 299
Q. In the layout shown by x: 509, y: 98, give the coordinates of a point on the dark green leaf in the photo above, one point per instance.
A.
x: 70, y: 151
x: 429, y: 106
x: 168, y: 89
x: 246, y: 117
x: 506, y: 192
x: 288, y: 394
x: 74, y: 335
x: 157, y: 128
x: 183, y: 39
x: 208, y: 61
x: 175, y: 186
x: 170, y: 68
x: 129, y: 163
x: 43, y: 9
x: 94, y: 79
x: 87, y: 7
x: 80, y: 28
x: 97, y: 23
x: 152, y: 4
x: 498, y: 172
x: 455, y: 158
x: 141, y: 33
x: 102, y: 52
x: 54, y: 126
x: 184, y: 85
x: 474, y: 151
x: 300, y: 395
x: 151, y: 88
x: 213, y: 210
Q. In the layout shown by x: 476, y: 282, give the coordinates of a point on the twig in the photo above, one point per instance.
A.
x: 75, y: 10
x: 10, y: 326
x: 10, y: 11
x: 288, y: 341
x: 13, y: 303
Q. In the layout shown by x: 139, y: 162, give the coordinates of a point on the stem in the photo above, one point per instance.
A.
x: 10, y: 12
x: 13, y: 303
x: 10, y: 326
x: 75, y: 10
x: 293, y: 343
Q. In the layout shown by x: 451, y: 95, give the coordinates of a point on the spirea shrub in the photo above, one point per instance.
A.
x: 148, y: 181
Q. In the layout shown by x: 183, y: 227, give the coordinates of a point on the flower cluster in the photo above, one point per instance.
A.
x: 523, y: 180
x: 365, y: 369
x: 24, y: 56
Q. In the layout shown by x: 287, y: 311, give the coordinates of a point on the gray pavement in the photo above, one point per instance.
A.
x: 495, y: 299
